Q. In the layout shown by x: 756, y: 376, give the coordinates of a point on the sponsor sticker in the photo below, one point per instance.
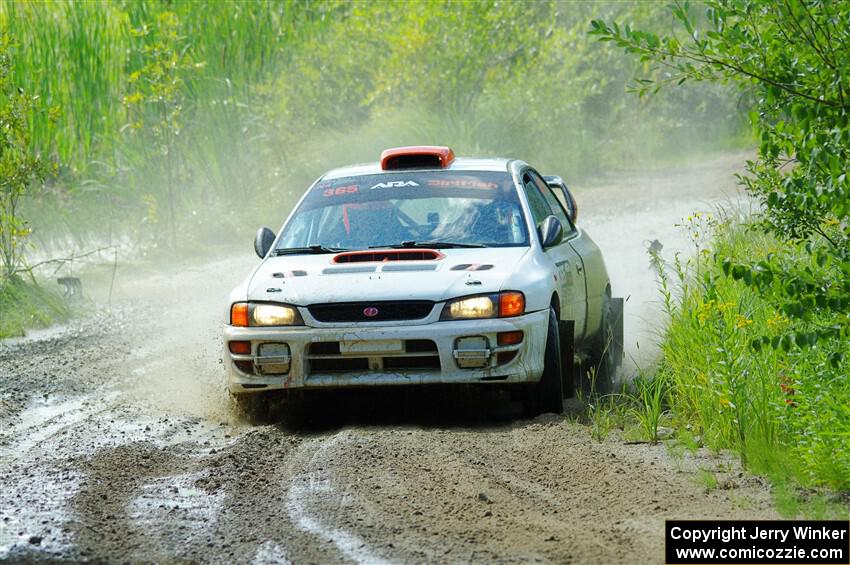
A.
x: 340, y: 190
x: 394, y: 184
x: 462, y: 183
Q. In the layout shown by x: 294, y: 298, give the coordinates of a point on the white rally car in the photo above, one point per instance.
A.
x: 423, y: 269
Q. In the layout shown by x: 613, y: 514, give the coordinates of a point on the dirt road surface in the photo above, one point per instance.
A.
x: 118, y: 444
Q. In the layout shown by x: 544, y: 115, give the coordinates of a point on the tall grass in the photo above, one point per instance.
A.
x: 786, y: 411
x: 282, y: 90
x: 78, y: 56
x: 25, y: 304
x: 649, y: 409
x: 72, y: 55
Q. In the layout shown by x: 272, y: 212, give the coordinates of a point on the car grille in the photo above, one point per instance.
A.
x: 418, y: 355
x: 382, y: 311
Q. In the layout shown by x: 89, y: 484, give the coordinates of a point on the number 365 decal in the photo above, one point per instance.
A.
x: 340, y: 190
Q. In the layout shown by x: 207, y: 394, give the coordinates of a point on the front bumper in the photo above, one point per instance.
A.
x: 428, y: 355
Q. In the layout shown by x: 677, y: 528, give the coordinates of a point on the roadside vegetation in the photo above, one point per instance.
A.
x: 756, y: 357
x: 23, y: 303
x: 170, y: 123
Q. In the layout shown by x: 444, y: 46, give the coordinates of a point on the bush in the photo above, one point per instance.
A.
x: 784, y: 409
x: 791, y: 54
x: 25, y: 305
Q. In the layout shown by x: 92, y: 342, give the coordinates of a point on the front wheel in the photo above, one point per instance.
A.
x: 547, y: 395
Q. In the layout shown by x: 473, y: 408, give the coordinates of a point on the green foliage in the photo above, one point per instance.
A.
x: 72, y: 56
x: 794, y: 55
x: 758, y: 344
x: 810, y: 287
x: 784, y: 409
x: 650, y: 406
x: 24, y: 305
x: 287, y: 89
x: 154, y: 106
x: 707, y: 479
x: 20, y: 171
x: 79, y: 56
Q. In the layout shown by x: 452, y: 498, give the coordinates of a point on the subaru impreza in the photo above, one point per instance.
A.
x: 423, y: 269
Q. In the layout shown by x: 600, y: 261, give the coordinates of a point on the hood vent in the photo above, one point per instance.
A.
x: 288, y: 274
x: 402, y: 268
x: 346, y: 270
x: 471, y: 267
x: 381, y: 255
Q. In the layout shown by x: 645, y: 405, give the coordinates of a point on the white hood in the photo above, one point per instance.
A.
x: 310, y: 279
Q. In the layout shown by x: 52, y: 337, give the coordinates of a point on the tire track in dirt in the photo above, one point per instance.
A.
x: 531, y: 491
x: 43, y: 421
x: 311, y: 485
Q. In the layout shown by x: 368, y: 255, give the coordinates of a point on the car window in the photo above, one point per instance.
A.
x: 465, y: 207
x: 540, y: 208
x: 554, y: 203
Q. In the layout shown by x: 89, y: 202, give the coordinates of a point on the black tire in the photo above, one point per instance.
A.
x: 607, y: 353
x: 567, y: 333
x: 547, y: 395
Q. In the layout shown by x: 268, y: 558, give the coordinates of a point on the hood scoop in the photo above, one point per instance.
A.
x: 382, y: 255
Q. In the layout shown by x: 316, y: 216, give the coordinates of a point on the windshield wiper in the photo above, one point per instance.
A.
x: 429, y: 244
x: 314, y: 249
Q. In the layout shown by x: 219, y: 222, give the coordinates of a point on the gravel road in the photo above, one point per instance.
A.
x: 118, y: 443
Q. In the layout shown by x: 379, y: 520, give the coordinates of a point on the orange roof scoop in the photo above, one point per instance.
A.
x: 417, y: 157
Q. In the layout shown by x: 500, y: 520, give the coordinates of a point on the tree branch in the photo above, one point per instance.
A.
x: 63, y: 260
x: 709, y: 60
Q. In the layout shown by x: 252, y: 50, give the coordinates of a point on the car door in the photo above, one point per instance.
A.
x: 568, y: 266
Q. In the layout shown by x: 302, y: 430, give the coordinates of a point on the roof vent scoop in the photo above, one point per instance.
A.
x: 417, y: 157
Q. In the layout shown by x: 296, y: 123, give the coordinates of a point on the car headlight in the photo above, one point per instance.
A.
x: 475, y: 307
x: 244, y: 314
x: 498, y: 305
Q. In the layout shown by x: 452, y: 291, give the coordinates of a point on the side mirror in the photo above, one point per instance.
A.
x: 551, y: 231
x: 263, y: 241
x: 562, y: 193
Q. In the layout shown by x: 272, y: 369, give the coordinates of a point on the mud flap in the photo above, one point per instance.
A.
x: 566, y: 333
x: 617, y: 307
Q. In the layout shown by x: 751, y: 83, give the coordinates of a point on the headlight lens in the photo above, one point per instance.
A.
x: 244, y: 314
x: 500, y: 305
x: 273, y: 315
x: 475, y: 307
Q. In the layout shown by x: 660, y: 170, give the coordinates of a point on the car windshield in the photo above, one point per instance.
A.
x: 411, y: 208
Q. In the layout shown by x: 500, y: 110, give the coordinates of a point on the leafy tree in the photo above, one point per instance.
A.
x: 20, y: 170
x: 292, y: 87
x: 795, y: 54
x: 155, y: 104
